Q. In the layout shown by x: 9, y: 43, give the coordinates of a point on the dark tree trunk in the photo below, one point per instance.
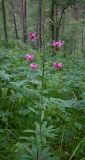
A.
x: 24, y: 20
x: 83, y: 15
x: 40, y: 24
x: 15, y: 26
x: 52, y: 21
x: 57, y: 26
x: 63, y: 30
x: 4, y: 20
x: 76, y: 13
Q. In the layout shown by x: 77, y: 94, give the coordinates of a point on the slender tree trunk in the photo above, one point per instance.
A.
x: 43, y: 31
x: 52, y: 20
x: 83, y: 14
x: 40, y: 24
x: 24, y: 20
x: 37, y: 31
x: 4, y: 20
x: 15, y: 26
x: 63, y: 25
x: 22, y: 12
x: 63, y: 30
x: 76, y: 13
x: 57, y: 26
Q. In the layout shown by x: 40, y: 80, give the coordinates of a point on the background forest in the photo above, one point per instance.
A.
x: 42, y: 79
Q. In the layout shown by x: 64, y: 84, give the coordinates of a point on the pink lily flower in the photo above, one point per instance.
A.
x: 33, y: 36
x: 29, y: 57
x: 57, y: 43
x: 57, y: 65
x: 34, y: 66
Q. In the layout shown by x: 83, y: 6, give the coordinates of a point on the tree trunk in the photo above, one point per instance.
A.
x: 52, y: 21
x: 76, y: 13
x: 57, y: 26
x: 24, y: 20
x: 83, y: 14
x: 4, y: 20
x: 40, y: 24
x: 15, y: 26
x: 63, y: 30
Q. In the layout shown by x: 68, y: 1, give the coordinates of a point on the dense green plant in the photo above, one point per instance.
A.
x: 22, y: 115
x: 42, y: 111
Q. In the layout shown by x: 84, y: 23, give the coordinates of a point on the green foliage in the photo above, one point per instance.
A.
x: 28, y: 128
x: 42, y: 115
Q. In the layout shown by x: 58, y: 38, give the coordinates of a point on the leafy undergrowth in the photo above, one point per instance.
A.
x: 63, y: 108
